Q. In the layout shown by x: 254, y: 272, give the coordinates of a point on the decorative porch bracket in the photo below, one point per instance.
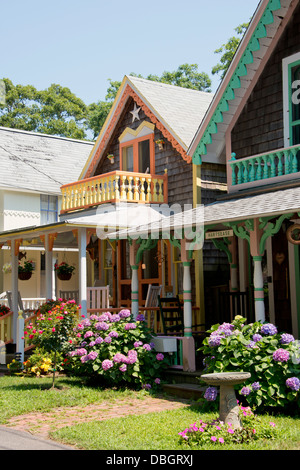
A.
x: 256, y: 232
x: 270, y: 228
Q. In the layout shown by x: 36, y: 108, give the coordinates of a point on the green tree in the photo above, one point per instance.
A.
x: 98, y: 112
x: 228, y: 50
x: 54, y: 111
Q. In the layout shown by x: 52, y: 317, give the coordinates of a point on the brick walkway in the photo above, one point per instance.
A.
x: 41, y: 424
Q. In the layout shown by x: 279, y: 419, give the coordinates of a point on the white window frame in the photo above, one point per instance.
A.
x: 286, y: 62
x: 48, y: 211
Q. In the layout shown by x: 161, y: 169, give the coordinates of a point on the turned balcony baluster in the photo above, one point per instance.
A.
x: 281, y: 164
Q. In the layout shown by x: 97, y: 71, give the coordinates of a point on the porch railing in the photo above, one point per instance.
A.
x: 115, y: 186
x: 28, y: 303
x: 281, y: 164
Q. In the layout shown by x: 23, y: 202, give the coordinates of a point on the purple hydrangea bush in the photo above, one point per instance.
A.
x: 118, y: 349
x: 272, y: 358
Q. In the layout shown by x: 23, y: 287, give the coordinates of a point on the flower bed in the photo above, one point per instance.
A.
x: 272, y: 358
x: 219, y: 434
x: 117, y: 349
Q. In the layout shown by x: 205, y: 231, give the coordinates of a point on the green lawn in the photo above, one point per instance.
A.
x: 159, y: 431
x: 156, y: 431
x: 19, y: 395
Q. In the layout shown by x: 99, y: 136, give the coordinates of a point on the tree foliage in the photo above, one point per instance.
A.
x: 54, y: 111
x: 228, y: 50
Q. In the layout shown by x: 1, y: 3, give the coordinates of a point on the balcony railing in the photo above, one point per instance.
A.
x: 278, y: 165
x: 116, y: 186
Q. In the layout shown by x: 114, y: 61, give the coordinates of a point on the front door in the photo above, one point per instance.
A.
x: 150, y: 272
x: 281, y: 281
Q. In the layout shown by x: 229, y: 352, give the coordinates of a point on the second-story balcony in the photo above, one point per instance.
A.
x: 277, y: 166
x: 116, y: 186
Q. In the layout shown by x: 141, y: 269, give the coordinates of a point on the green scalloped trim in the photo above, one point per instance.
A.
x: 235, y: 82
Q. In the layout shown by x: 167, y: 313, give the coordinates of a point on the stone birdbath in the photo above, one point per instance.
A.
x: 229, y: 410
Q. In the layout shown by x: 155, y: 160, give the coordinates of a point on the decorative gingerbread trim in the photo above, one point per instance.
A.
x: 128, y: 92
x: 289, y: 234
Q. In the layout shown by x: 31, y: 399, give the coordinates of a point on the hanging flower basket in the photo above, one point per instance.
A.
x: 25, y: 271
x: 64, y: 271
x: 24, y: 275
x: 161, y: 144
x: 64, y: 276
x: 111, y: 158
x: 6, y: 269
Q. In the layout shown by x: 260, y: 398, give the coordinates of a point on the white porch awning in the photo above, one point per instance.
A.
x: 105, y: 220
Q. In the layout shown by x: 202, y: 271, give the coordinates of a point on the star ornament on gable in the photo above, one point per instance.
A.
x: 135, y: 113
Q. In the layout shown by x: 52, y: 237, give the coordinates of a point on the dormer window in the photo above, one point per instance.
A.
x: 137, y: 149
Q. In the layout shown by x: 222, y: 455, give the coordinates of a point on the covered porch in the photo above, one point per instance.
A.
x: 259, y: 232
x: 73, y: 240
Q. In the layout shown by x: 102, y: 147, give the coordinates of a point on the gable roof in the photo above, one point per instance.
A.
x: 175, y: 111
x: 38, y: 162
x: 257, y: 45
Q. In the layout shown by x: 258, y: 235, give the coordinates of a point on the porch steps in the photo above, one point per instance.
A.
x: 184, y: 384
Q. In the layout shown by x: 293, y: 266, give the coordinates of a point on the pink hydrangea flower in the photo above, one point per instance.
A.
x: 107, y: 364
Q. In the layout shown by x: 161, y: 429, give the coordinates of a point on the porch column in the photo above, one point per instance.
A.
x: 134, y: 279
x: 187, y: 298
x: 20, y: 343
x: 188, y: 343
x: 49, y: 268
x: 258, y: 282
x: 82, y: 242
x: 14, y: 286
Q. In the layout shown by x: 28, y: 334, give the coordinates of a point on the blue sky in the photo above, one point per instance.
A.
x: 81, y: 44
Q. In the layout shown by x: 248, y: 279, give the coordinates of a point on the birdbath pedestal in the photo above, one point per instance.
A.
x: 229, y: 410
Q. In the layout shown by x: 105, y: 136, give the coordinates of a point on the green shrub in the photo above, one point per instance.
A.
x: 272, y: 358
x: 117, y: 349
x: 40, y: 362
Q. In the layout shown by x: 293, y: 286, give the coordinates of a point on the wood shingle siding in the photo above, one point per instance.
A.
x: 259, y: 128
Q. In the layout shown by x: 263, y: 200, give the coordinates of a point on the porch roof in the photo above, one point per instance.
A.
x: 104, y: 221
x: 220, y: 213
